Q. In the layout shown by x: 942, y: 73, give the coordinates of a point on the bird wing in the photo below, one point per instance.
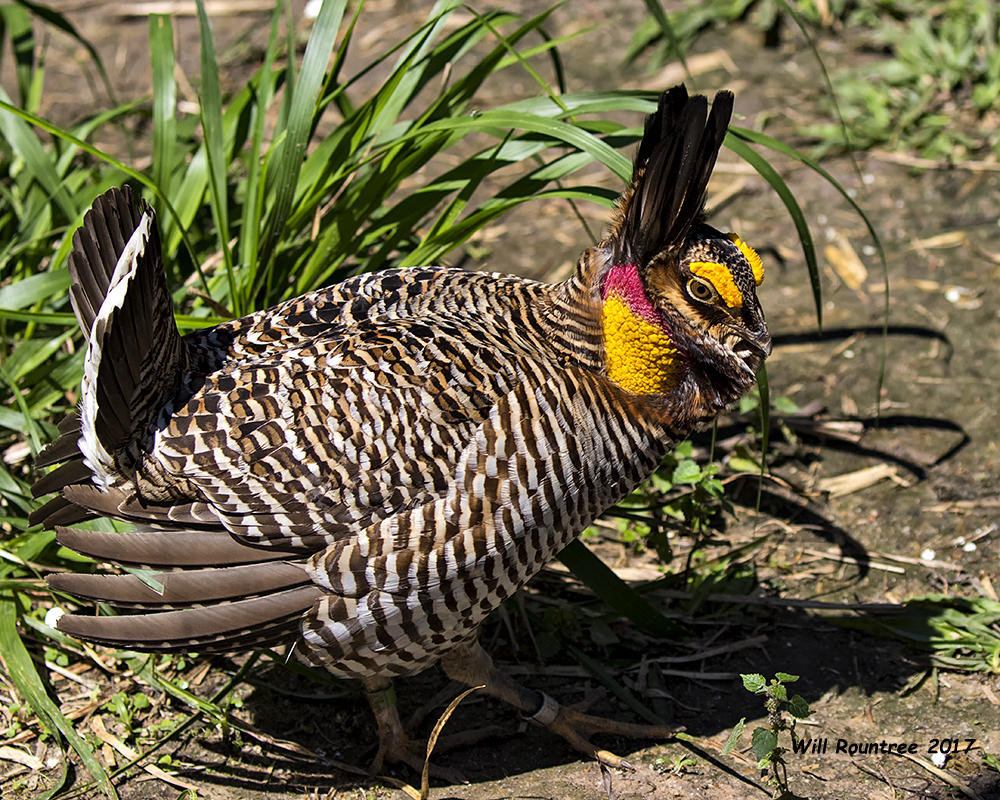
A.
x: 553, y: 453
x: 305, y: 447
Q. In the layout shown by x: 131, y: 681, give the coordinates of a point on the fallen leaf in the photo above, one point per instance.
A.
x: 846, y: 263
x: 855, y: 481
x: 950, y: 239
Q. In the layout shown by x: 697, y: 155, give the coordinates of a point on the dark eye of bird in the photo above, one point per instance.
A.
x: 700, y: 289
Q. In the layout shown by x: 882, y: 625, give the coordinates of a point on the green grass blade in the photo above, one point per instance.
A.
x: 454, y: 100
x: 30, y: 354
x: 791, y: 152
x: 23, y: 674
x: 59, y: 787
x: 68, y: 155
x: 26, y: 419
x: 18, y: 23
x: 187, y: 202
x: 735, y: 142
x: 210, y: 102
x: 550, y: 46
x: 37, y: 317
x: 794, y: 14
x: 595, y: 668
x: 161, y: 51
x: 615, y: 592
x: 434, y: 247
x: 300, y: 119
x: 332, y: 88
x: 765, y: 410
x: 254, y: 204
x: 416, y: 50
x: 33, y: 289
x: 37, y: 160
x: 291, y: 74
x: 521, y: 58
x: 7, y: 110
x: 498, y: 121
x: 765, y: 430
x: 663, y: 23
x: 589, y: 103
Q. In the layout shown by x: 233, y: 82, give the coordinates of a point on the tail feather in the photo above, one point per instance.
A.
x: 59, y: 511
x: 162, y: 547
x: 212, y: 592
x: 97, y: 246
x: 63, y: 448
x: 135, y: 357
x: 238, y: 625
x: 135, y: 360
x: 70, y: 472
x: 182, y: 587
x: 114, y: 502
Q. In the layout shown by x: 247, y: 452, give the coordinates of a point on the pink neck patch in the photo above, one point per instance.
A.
x: 623, y: 280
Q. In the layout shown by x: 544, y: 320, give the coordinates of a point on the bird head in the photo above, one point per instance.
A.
x: 679, y: 308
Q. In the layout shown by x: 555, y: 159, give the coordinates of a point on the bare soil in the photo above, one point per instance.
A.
x: 931, y: 420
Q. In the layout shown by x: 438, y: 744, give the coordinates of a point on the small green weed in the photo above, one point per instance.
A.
x: 764, y: 741
x: 682, y: 492
x: 126, y: 707
x: 677, y: 765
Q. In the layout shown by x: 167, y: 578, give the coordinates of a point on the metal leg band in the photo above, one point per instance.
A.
x: 547, y: 713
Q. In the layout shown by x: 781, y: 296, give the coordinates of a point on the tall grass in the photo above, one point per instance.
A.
x: 300, y: 178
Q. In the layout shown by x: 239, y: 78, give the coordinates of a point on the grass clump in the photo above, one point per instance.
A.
x: 957, y: 632
x: 935, y: 92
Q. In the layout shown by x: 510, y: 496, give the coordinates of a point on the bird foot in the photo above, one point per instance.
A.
x: 577, y: 728
x: 472, y: 666
x: 396, y: 746
x: 413, y: 753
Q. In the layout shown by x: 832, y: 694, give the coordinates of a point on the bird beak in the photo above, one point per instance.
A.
x: 757, y: 342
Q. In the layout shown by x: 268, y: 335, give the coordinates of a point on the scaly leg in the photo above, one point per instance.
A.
x: 395, y: 746
x: 471, y: 665
x: 393, y: 743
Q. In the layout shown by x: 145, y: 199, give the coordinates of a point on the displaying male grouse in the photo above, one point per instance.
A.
x: 365, y: 472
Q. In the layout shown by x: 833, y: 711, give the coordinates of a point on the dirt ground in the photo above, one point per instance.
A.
x: 933, y: 433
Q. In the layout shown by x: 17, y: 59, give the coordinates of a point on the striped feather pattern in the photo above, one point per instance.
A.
x: 367, y: 471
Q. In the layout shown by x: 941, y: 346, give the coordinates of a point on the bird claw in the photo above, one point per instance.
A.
x: 609, y: 759
x: 396, y: 746
x: 408, y: 751
x: 576, y: 728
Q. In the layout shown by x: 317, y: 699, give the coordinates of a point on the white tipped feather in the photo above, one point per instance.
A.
x: 95, y: 456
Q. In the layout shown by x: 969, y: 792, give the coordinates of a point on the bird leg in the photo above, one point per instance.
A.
x: 471, y: 665
x: 395, y: 746
x: 393, y: 743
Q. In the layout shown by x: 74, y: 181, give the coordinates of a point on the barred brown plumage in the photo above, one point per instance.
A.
x: 367, y: 471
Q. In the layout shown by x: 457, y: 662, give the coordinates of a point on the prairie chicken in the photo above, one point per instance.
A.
x: 365, y: 472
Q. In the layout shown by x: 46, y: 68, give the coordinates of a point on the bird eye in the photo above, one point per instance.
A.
x: 700, y: 289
